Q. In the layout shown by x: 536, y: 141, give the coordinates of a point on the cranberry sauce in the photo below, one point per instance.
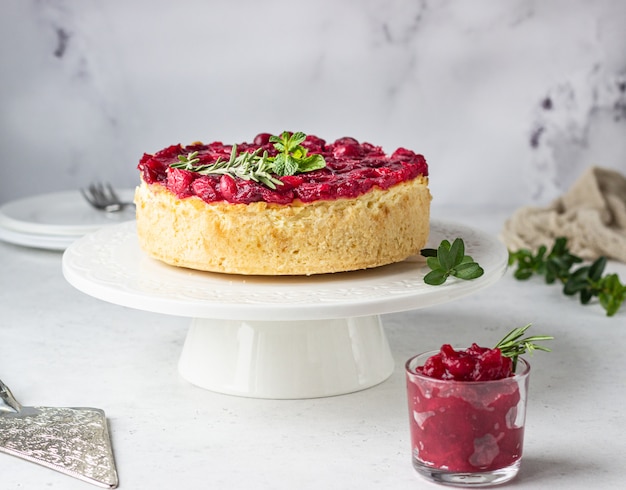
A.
x: 473, y: 364
x: 467, y: 410
x: 352, y: 169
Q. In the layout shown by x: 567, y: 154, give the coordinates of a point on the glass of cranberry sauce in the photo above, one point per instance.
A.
x: 466, y: 433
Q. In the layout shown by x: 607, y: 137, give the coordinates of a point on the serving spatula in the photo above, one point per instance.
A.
x: 74, y: 441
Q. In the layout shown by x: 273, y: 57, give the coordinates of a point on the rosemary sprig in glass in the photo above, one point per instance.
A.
x: 514, y: 344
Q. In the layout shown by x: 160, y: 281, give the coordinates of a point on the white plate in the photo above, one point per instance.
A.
x: 47, y: 242
x: 61, y: 213
x: 109, y: 265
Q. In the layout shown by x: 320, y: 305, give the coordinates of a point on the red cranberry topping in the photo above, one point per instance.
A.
x: 179, y: 182
x: 291, y: 182
x: 206, y: 188
x: 262, y: 139
x: 228, y: 188
x: 473, y: 364
x: 347, y: 150
x: 352, y: 169
x: 314, y: 144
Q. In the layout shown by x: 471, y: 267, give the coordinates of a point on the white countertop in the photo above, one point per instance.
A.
x: 60, y: 347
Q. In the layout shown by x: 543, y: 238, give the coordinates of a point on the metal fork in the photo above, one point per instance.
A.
x: 104, y: 198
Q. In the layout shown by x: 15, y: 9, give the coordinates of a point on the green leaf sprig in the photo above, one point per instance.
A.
x: 292, y: 157
x: 188, y: 161
x: 514, y: 344
x: 245, y: 165
x: 260, y: 167
x: 449, y: 259
x: 557, y: 265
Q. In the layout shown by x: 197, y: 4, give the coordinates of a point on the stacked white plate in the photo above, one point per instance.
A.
x: 53, y: 221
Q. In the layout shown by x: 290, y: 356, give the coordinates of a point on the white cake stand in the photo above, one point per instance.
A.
x: 275, y: 337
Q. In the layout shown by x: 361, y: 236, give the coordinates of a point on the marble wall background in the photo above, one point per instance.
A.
x: 508, y: 100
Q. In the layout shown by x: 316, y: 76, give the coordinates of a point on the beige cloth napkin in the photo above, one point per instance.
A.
x: 591, y: 215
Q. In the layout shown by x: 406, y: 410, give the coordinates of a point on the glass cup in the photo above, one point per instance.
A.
x: 466, y: 433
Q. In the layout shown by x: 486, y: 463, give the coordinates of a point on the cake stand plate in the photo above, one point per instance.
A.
x: 276, y: 337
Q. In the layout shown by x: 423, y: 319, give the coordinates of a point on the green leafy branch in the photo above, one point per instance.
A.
x: 449, y: 259
x: 514, y: 344
x: 188, y: 161
x: 245, y: 165
x: 557, y: 265
x: 291, y: 158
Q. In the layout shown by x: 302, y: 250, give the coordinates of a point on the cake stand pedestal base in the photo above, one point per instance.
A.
x: 268, y: 337
x: 286, y: 359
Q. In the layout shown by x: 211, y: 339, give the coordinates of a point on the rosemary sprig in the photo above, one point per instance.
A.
x: 188, y: 161
x: 450, y: 260
x: 245, y: 165
x: 513, y: 345
x: 587, y: 281
x: 291, y: 159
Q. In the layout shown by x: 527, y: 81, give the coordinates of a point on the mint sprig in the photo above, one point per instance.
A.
x: 449, y: 259
x: 292, y: 158
x: 514, y: 344
x: 558, y: 266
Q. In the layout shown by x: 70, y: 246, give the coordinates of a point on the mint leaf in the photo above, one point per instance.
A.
x: 310, y: 163
x: 285, y: 164
x: 291, y: 165
x: 278, y: 165
x: 295, y: 140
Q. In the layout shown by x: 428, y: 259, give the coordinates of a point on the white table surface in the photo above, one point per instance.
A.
x: 60, y: 347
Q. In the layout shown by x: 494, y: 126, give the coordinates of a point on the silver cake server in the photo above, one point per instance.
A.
x: 74, y: 441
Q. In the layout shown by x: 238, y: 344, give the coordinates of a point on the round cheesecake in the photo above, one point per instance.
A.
x: 363, y: 209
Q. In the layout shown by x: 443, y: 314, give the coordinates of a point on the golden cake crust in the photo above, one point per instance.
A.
x: 377, y: 228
